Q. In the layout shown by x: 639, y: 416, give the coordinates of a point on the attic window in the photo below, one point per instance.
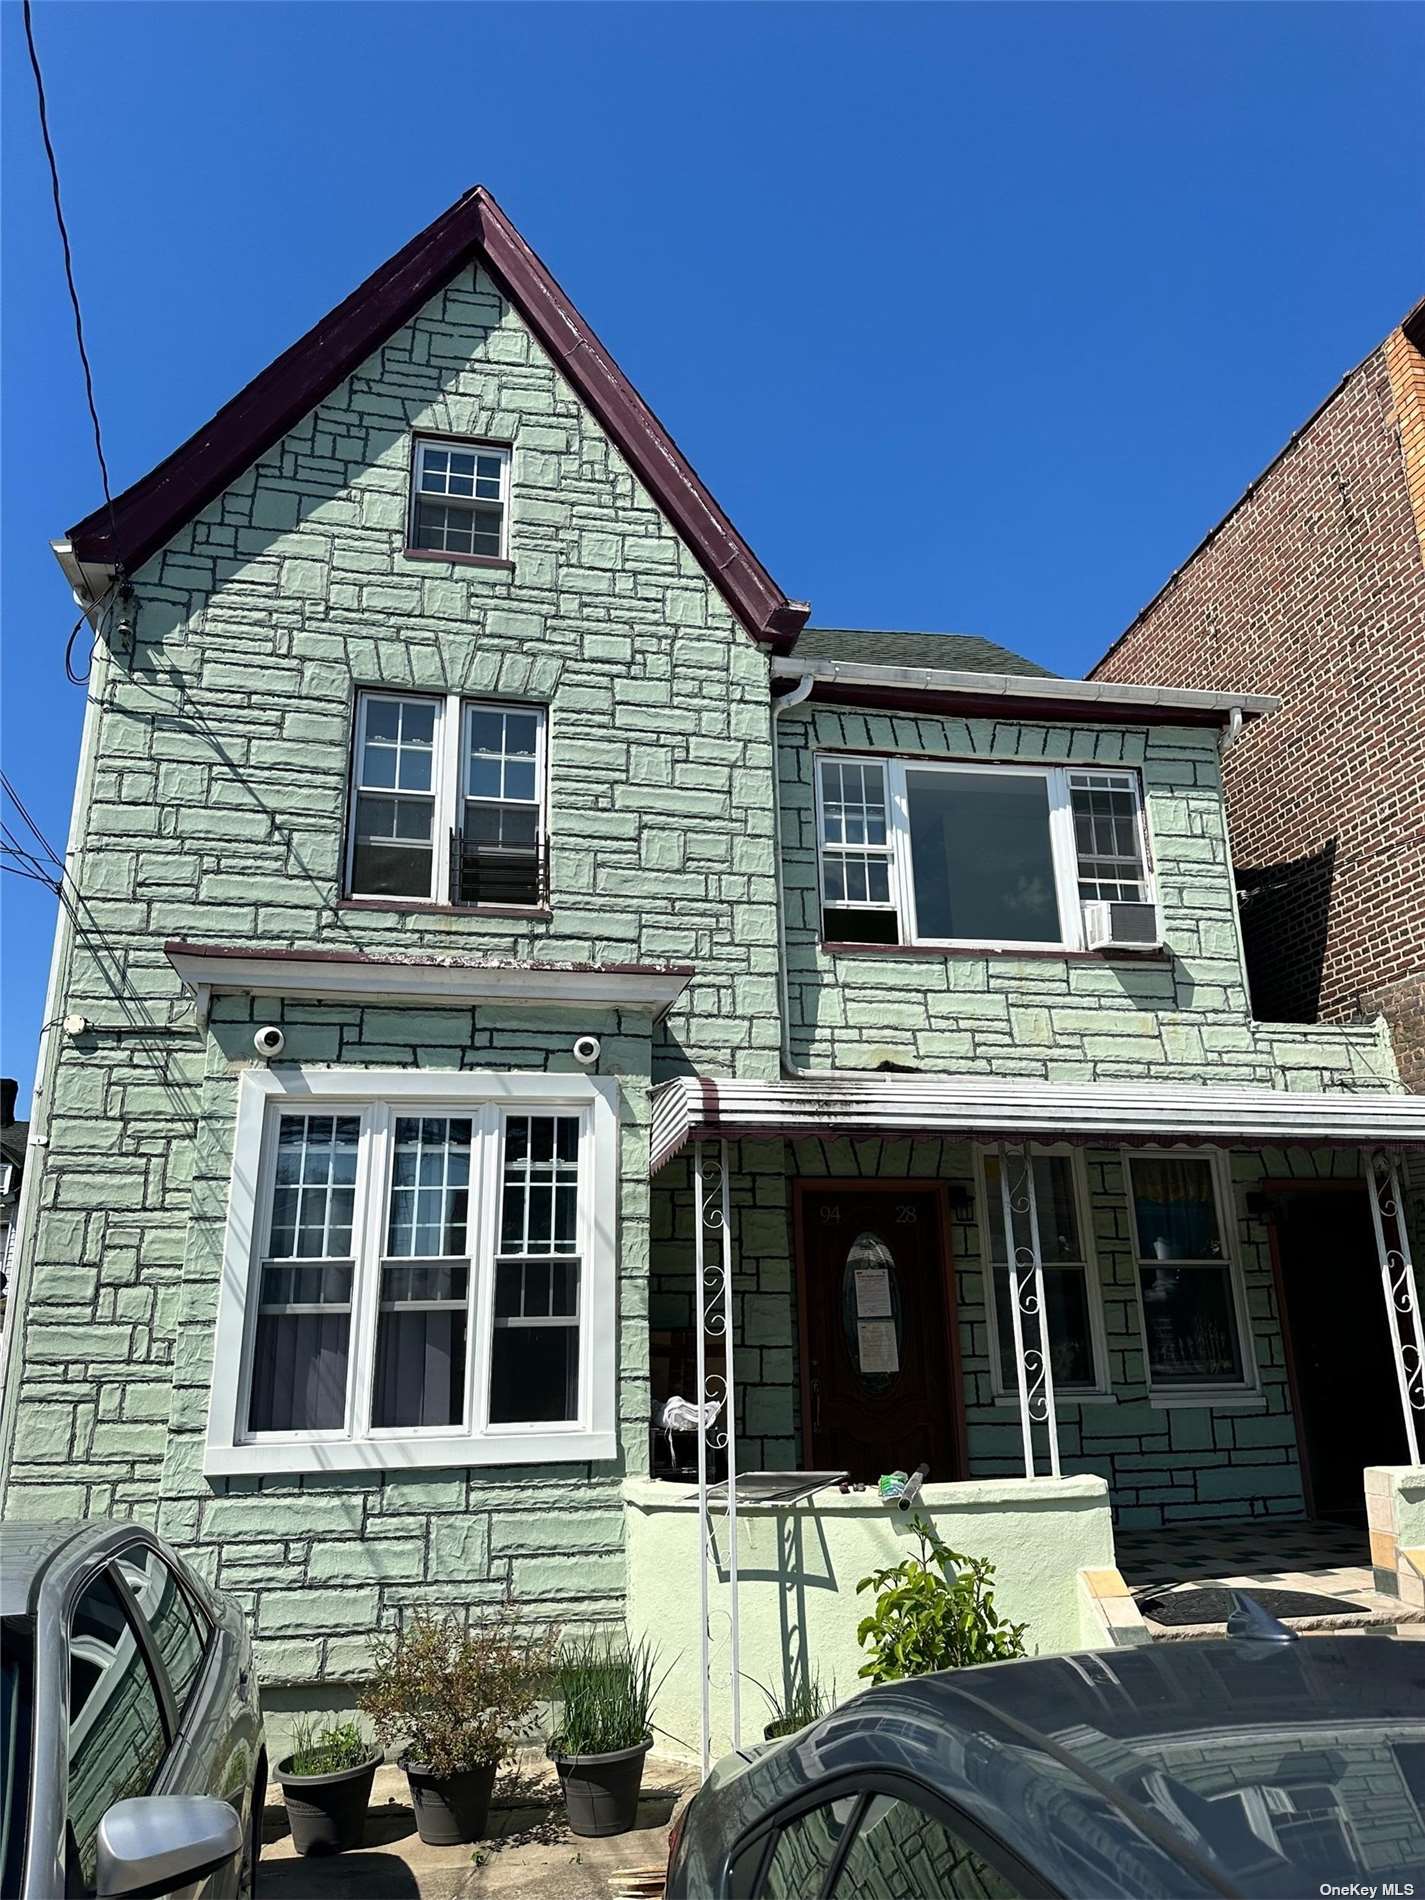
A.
x: 460, y: 499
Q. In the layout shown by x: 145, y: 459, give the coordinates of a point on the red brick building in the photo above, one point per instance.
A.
x: 1313, y: 587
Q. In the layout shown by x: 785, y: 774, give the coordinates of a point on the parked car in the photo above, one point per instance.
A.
x: 1249, y: 1767
x: 131, y: 1743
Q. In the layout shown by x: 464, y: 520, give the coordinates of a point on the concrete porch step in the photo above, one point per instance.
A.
x: 1371, y: 1613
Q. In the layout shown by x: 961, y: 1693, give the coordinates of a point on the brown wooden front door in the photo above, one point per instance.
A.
x: 880, y: 1379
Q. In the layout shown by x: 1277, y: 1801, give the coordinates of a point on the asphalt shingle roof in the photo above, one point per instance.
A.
x: 951, y: 652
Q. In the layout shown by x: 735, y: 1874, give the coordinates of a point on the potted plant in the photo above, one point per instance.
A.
x: 934, y: 1611
x: 806, y: 1701
x: 604, y: 1689
x: 459, y: 1697
x: 327, y: 1782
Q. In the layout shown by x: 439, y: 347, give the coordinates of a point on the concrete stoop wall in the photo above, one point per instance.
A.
x: 798, y: 1568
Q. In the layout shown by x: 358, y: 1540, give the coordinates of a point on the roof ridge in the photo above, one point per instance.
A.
x: 149, y: 512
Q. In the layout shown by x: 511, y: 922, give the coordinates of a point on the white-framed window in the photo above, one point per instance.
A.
x: 1078, y: 1355
x: 419, y: 1269
x: 448, y: 800
x: 1195, y: 1330
x: 984, y: 855
x: 460, y: 498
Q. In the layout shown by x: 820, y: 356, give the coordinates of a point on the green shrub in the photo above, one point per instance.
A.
x: 327, y: 1750
x: 457, y: 1696
x: 934, y: 1611
x: 605, y: 1689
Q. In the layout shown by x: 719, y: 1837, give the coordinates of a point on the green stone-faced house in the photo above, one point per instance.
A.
x: 496, y: 920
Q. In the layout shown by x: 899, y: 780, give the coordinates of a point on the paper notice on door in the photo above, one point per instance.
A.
x: 873, y: 1293
x: 876, y: 1345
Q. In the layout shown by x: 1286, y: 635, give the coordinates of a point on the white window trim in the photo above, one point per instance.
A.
x: 1061, y: 837
x: 469, y: 445
x: 232, y: 1449
x: 1249, y: 1387
x: 448, y: 781
x: 986, y: 1212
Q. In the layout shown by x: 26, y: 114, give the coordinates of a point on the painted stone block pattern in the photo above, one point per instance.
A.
x: 1181, y: 1016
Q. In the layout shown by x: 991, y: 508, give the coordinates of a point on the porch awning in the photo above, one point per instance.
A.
x: 1010, y: 1109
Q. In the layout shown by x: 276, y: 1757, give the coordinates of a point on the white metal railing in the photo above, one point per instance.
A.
x: 712, y: 1232
x: 1029, y: 1312
x: 1402, y: 1294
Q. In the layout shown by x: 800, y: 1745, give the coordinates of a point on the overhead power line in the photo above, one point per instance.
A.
x: 69, y: 270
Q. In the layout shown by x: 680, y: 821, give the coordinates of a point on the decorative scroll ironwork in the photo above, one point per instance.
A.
x: 1401, y: 1292
x: 717, y: 1393
x: 1029, y: 1313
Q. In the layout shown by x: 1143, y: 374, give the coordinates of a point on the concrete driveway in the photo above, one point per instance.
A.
x: 529, y: 1852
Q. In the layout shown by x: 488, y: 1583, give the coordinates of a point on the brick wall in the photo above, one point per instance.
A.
x: 1314, y: 588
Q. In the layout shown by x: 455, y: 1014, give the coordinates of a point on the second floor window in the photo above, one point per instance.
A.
x: 447, y: 800
x: 460, y: 499
x: 929, y: 852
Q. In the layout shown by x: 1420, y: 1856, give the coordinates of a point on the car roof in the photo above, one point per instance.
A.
x: 29, y: 1545
x: 1048, y: 1750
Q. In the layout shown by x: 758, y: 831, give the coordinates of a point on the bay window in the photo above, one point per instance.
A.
x: 985, y: 855
x: 418, y: 1270
x: 1193, y: 1321
x: 447, y: 800
x: 1070, y: 1285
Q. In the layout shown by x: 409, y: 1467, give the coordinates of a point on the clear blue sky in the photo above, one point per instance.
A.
x: 973, y: 317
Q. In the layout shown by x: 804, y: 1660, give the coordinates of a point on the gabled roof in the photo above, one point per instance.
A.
x: 955, y: 652
x: 147, y: 515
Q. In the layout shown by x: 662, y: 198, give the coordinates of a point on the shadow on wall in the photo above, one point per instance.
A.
x: 1286, y: 909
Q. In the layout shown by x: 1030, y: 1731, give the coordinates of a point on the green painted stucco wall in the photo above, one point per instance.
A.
x: 217, y: 814
x: 797, y: 1576
x: 1182, y: 1017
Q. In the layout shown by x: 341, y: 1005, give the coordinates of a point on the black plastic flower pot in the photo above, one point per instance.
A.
x: 327, y: 1813
x: 450, y: 1809
x: 601, y: 1791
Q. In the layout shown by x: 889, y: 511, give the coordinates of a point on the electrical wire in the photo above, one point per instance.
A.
x: 69, y: 275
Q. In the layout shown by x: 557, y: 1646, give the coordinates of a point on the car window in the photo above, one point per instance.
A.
x: 178, y: 1636
x: 900, y: 1849
x: 804, y: 1851
x: 116, y: 1736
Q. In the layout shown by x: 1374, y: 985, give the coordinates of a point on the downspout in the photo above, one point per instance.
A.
x: 799, y: 692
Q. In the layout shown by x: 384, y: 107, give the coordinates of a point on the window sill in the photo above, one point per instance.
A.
x: 570, y: 1446
x: 538, y: 913
x: 459, y: 560
x: 1228, y: 1398
x: 1062, y: 954
x: 1005, y: 1402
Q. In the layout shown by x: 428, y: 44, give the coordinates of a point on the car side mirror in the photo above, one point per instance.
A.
x: 159, y: 1843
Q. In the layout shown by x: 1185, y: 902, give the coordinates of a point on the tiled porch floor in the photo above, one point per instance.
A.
x: 1322, y: 1558
x: 1300, y: 1553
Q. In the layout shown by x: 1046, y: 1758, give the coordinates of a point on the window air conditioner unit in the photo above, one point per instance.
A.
x: 1121, y: 926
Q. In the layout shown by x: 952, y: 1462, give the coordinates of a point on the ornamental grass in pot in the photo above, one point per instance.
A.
x: 459, y: 1697
x: 326, y: 1780
x: 604, y: 1689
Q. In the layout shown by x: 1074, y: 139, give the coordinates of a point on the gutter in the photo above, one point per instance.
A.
x: 1035, y: 686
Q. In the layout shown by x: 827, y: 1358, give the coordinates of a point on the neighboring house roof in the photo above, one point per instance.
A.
x: 147, y: 515
x: 13, y: 1140
x: 954, y: 652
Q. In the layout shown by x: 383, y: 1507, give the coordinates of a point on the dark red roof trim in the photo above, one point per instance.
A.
x: 147, y: 515
x: 1021, y: 707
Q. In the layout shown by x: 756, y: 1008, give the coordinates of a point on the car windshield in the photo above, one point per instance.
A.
x: 15, y: 1649
x: 1282, y: 1803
